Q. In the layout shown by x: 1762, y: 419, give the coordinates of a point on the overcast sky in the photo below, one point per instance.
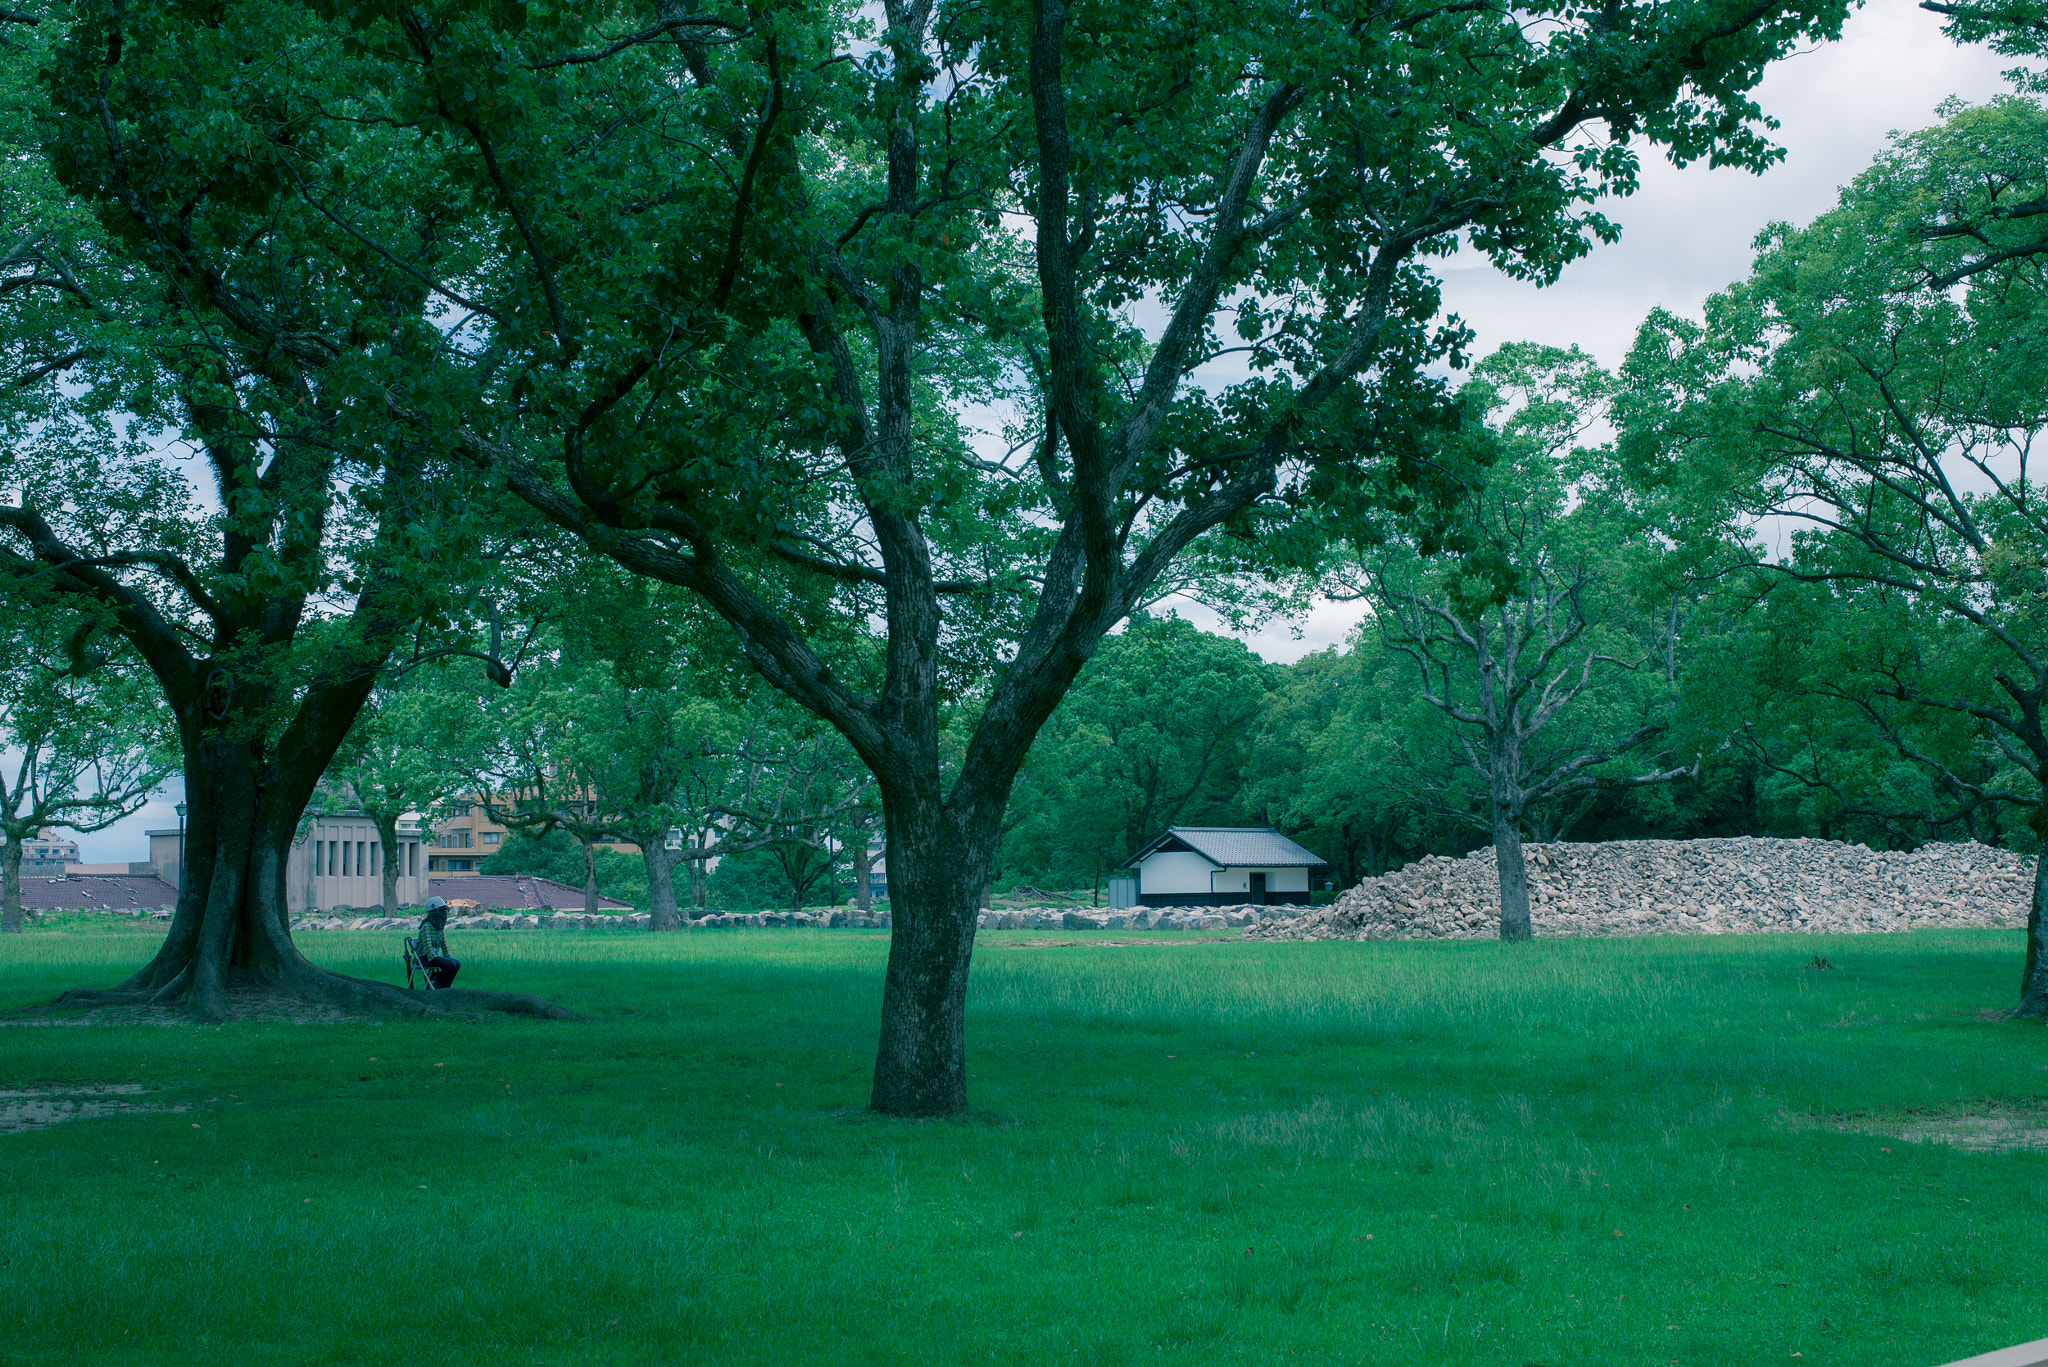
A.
x: 1685, y: 234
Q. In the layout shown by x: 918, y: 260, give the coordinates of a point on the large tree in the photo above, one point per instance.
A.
x: 724, y: 289
x: 1855, y: 421
x: 1535, y: 650
x: 198, y: 435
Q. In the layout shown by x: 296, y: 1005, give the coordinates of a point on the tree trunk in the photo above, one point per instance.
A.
x: 698, y: 890
x: 661, y: 885
x: 387, y: 833
x: 864, y: 877
x: 1514, y: 878
x: 2034, y: 977
x: 589, y: 877
x: 10, y: 885
x: 936, y: 872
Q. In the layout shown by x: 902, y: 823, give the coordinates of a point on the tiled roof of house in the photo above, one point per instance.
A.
x: 1235, y: 847
x: 96, y: 892
x: 517, y: 892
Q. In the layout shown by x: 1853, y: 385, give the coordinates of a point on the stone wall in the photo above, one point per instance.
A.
x: 1029, y: 918
x: 575, y: 920
x: 1684, y: 887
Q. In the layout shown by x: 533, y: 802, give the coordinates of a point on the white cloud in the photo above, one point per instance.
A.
x: 1687, y: 234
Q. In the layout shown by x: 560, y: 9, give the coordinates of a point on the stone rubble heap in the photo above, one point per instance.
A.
x: 1684, y: 887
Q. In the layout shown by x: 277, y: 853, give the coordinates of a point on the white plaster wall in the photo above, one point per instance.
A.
x: 1277, y: 880
x: 1287, y: 880
x: 1180, y: 871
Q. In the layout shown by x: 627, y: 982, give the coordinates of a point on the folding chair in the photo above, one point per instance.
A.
x: 413, y: 961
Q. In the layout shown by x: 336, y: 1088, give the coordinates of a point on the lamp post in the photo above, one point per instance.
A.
x: 181, y: 849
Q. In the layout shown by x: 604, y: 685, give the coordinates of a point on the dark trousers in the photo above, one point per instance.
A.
x: 441, y: 969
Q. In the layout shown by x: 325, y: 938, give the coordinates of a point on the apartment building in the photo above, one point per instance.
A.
x: 45, y: 855
x: 461, y: 843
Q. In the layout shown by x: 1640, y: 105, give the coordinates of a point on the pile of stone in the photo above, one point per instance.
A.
x: 1685, y: 887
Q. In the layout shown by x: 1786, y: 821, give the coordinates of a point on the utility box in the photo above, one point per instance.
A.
x: 1123, y: 889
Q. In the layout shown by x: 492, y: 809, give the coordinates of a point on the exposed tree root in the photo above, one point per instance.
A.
x: 361, y: 996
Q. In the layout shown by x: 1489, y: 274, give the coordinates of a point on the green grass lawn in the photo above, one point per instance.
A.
x: 1573, y: 1152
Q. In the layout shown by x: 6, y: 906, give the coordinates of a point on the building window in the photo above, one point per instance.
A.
x: 490, y: 837
x: 412, y: 859
x: 333, y: 857
x: 458, y: 866
x: 376, y: 863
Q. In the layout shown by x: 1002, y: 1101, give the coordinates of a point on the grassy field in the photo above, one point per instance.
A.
x: 1185, y: 1151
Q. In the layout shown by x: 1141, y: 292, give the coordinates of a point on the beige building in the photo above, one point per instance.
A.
x: 462, y: 843
x: 338, y: 862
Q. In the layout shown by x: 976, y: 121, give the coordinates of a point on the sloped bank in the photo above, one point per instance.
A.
x: 1684, y: 887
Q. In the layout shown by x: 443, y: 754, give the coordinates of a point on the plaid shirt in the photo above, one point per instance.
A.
x: 431, y: 941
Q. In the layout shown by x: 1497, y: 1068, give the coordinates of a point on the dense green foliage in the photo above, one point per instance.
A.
x: 1154, y: 733
x: 1593, y: 1151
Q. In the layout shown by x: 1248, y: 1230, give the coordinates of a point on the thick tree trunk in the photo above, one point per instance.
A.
x: 10, y: 885
x: 2034, y: 977
x: 661, y: 885
x: 1514, y: 878
x: 387, y: 834
x: 864, y: 877
x: 936, y: 873
x: 589, y: 877
x: 231, y: 931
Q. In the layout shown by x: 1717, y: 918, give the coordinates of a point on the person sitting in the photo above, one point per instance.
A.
x: 432, y: 944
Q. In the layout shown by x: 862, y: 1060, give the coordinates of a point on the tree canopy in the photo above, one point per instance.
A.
x: 1869, y: 397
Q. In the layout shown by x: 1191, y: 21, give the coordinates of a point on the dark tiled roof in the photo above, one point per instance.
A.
x: 517, y: 892
x: 96, y: 891
x: 1236, y: 847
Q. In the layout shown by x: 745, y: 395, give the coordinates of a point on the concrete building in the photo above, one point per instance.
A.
x: 339, y: 862
x: 1219, y: 866
x: 167, y: 855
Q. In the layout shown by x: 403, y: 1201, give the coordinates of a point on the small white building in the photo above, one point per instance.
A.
x: 1219, y: 866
